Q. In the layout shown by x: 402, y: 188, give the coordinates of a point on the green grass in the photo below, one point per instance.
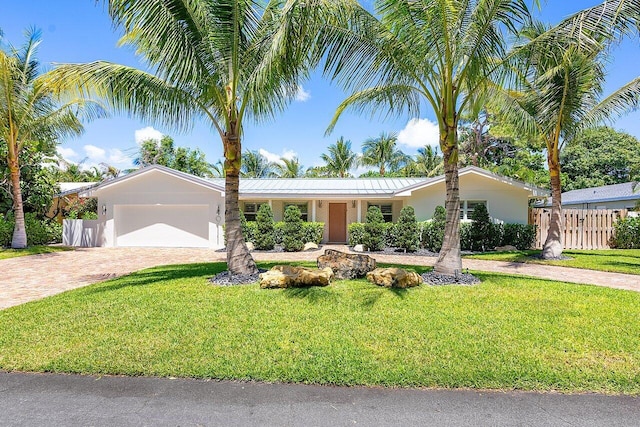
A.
x: 615, y: 260
x: 506, y: 333
x: 31, y: 250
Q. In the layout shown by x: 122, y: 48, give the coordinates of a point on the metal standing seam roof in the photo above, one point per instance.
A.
x: 323, y: 186
x: 624, y: 191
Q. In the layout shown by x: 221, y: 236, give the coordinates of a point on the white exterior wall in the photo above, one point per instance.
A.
x: 505, y: 202
x: 156, y: 188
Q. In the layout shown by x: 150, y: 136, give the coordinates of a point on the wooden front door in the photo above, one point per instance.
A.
x: 337, y: 222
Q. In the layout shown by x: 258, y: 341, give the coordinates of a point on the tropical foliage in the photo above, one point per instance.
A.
x: 383, y: 153
x: 164, y: 152
x: 339, y: 160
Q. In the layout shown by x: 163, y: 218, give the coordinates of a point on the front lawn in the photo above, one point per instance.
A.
x: 615, y: 260
x: 506, y: 333
x: 31, y: 250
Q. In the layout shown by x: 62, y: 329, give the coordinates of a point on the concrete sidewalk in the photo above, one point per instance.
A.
x: 33, y: 277
x: 72, y: 400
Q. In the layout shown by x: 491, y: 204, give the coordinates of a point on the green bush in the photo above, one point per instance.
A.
x: 39, y: 232
x: 356, y: 233
x: 249, y: 229
x: 6, y: 231
x: 626, y: 233
x: 522, y: 236
x: 432, y: 233
x: 406, y: 230
x: 264, y: 237
x: 313, y: 232
x: 481, y: 229
x: 465, y: 236
x: 374, y: 229
x: 292, y: 239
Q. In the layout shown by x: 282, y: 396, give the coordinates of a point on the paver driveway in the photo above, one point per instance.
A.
x: 28, y: 278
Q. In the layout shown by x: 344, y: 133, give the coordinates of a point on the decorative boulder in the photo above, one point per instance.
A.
x: 358, y: 248
x: 394, y: 278
x: 309, y: 245
x: 346, y: 266
x: 506, y: 248
x: 287, y: 276
x: 250, y: 246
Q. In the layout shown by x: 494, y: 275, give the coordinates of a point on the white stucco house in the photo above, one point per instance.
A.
x: 158, y: 206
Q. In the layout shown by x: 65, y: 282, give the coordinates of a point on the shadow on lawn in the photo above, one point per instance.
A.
x: 159, y: 274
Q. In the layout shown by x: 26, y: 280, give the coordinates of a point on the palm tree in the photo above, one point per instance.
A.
x: 289, y: 168
x: 223, y: 61
x: 427, y: 162
x: 255, y: 165
x: 560, y: 93
x: 440, y: 52
x: 383, y: 153
x: 31, y: 118
x: 340, y: 160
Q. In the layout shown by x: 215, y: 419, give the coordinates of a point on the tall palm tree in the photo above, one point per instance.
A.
x: 439, y: 52
x: 340, y: 159
x: 289, y: 168
x: 255, y: 165
x: 562, y: 76
x: 31, y: 117
x: 383, y: 153
x: 222, y: 61
x: 428, y: 162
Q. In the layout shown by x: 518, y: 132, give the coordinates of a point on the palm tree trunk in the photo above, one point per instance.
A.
x: 19, y: 240
x: 553, y: 244
x: 239, y: 260
x: 449, y: 260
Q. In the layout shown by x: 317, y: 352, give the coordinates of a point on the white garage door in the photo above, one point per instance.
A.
x: 162, y: 225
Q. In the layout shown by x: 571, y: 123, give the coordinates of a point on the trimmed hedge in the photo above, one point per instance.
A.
x: 39, y: 232
x: 626, y: 234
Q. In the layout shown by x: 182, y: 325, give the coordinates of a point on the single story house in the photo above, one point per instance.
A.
x: 616, y: 196
x: 158, y: 206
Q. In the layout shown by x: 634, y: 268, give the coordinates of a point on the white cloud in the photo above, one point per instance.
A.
x: 95, y: 153
x: 275, y: 158
x: 66, y: 153
x: 147, y: 133
x: 418, y: 133
x: 112, y: 157
x: 302, y: 95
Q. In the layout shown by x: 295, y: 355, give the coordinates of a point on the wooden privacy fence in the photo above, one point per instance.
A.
x: 583, y: 228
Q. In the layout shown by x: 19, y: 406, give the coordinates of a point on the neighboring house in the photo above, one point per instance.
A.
x: 158, y: 206
x: 67, y: 196
x: 616, y: 196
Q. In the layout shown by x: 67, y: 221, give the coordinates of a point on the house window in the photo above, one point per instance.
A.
x: 386, y: 209
x: 303, y: 210
x: 251, y: 210
x: 467, y: 207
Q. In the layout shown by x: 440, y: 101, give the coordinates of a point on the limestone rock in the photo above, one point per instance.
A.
x: 346, y: 266
x: 358, y: 248
x: 287, y: 276
x: 394, y: 278
x: 250, y: 246
x: 506, y: 248
x: 309, y: 246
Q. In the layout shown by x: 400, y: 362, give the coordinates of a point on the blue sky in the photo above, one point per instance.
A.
x: 81, y: 31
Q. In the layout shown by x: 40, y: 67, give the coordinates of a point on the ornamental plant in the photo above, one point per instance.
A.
x: 406, y: 230
x: 374, y: 229
x: 293, y: 238
x: 265, y: 236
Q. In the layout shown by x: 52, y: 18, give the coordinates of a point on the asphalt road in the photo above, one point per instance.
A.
x: 72, y: 400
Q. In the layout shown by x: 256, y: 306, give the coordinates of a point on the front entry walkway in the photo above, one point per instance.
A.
x: 33, y: 277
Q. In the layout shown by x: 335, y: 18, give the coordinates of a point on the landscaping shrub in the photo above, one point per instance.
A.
x: 374, y: 229
x: 465, y: 236
x: 433, y: 231
x: 292, y: 239
x: 313, y: 232
x: 39, y: 231
x: 522, y: 236
x: 406, y: 230
x: 356, y: 233
x: 264, y: 237
x: 626, y: 234
x: 249, y: 229
x: 6, y: 231
x: 390, y: 234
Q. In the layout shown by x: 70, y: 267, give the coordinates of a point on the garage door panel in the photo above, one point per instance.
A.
x: 162, y: 225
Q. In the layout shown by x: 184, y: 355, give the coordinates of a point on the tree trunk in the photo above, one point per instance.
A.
x: 19, y: 240
x: 239, y: 260
x: 449, y: 259
x: 553, y: 244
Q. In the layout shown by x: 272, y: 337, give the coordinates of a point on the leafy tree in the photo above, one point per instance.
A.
x: 264, y: 219
x: 223, y: 61
x: 426, y: 163
x: 600, y: 156
x: 407, y: 236
x: 442, y: 53
x: 374, y: 229
x: 340, y: 159
x: 293, y: 234
x: 32, y: 118
x: 166, y: 154
x: 289, y: 168
x: 383, y: 153
x: 255, y: 165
